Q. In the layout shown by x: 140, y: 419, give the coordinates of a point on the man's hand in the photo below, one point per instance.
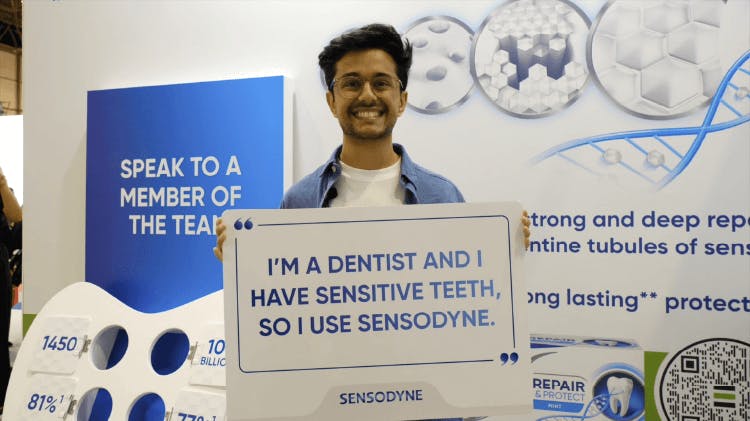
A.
x: 526, y: 228
x: 3, y: 180
x: 221, y: 236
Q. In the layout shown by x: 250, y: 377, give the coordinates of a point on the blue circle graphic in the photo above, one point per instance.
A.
x: 635, y: 403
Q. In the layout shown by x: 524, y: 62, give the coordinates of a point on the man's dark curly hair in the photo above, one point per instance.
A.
x: 373, y: 36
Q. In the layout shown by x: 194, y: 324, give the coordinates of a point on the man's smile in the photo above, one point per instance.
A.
x: 366, y: 114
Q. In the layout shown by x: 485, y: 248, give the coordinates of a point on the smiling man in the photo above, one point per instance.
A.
x: 366, y: 71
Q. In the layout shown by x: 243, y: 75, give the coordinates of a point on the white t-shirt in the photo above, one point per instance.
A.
x: 357, y: 187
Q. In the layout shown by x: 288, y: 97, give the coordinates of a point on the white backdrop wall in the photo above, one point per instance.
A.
x: 75, y: 46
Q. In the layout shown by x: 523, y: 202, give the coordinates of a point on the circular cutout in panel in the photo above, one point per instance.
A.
x: 657, y: 59
x: 716, y: 371
x: 440, y: 76
x: 96, y: 404
x: 108, y: 347
x: 149, y: 407
x: 529, y: 56
x: 169, y: 352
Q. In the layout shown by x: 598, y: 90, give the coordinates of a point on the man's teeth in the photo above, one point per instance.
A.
x: 367, y: 114
x: 619, y: 390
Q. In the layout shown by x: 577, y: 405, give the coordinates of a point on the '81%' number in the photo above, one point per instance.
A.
x: 191, y: 417
x: 44, y: 403
x: 62, y: 343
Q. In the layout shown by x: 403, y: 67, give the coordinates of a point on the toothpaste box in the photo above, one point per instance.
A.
x: 576, y: 378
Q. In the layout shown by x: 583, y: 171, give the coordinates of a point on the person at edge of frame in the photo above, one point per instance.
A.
x: 10, y: 213
x: 366, y: 71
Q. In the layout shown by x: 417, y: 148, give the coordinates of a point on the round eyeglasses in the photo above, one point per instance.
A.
x: 351, y: 86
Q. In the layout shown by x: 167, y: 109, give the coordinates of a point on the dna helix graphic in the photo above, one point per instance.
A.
x: 730, y: 107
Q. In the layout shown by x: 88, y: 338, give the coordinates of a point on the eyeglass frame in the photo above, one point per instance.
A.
x: 333, y: 83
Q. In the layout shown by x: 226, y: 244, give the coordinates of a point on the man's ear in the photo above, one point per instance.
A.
x: 331, y: 103
x: 404, y: 96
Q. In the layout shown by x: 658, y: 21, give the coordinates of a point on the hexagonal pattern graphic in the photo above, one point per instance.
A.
x: 705, y: 12
x: 627, y: 23
x: 694, y: 42
x: 668, y: 83
x: 657, y: 58
x: 665, y: 17
x: 533, y: 42
x: 640, y: 49
x: 624, y: 83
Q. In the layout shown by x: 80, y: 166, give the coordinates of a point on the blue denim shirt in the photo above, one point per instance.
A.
x: 421, y: 185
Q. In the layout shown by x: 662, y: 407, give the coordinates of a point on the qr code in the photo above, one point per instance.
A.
x: 708, y: 380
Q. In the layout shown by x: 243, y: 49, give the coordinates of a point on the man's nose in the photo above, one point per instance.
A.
x: 367, y: 93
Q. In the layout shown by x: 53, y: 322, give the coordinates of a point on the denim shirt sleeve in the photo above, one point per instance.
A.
x: 316, y: 189
x: 424, y: 186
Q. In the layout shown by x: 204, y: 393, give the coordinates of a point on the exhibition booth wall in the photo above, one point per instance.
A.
x: 627, y: 141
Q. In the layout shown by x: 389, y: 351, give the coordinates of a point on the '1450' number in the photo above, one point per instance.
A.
x: 62, y: 343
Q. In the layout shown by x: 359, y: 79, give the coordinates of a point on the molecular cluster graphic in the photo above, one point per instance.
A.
x: 440, y: 78
x: 529, y: 56
x: 657, y: 59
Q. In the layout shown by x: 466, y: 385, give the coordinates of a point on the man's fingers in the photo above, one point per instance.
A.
x: 526, y: 228
x: 221, y: 236
x: 527, y: 237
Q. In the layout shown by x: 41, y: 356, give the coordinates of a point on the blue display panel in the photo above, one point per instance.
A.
x: 162, y: 163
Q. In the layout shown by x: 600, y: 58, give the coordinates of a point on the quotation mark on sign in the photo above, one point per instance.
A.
x: 238, y: 224
x: 512, y: 357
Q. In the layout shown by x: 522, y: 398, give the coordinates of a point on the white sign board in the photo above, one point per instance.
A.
x: 376, y: 313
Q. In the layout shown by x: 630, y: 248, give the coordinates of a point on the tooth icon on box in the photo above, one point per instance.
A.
x: 620, y: 389
x: 619, y: 393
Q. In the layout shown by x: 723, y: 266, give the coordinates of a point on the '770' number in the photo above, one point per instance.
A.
x: 190, y: 417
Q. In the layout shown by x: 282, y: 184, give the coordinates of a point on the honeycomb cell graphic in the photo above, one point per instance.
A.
x: 539, y: 48
x: 657, y: 58
x: 681, y: 85
x: 665, y: 17
x: 440, y: 79
x: 640, y: 50
x: 694, y: 42
x: 627, y: 23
